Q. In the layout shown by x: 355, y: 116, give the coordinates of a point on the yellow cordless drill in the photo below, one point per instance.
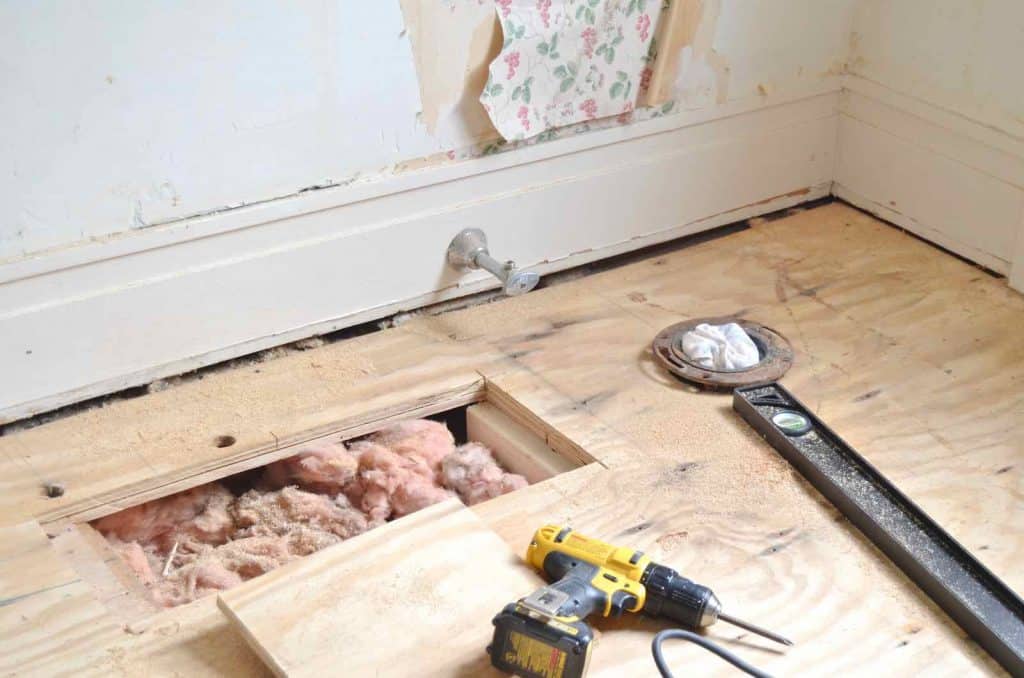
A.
x: 545, y: 635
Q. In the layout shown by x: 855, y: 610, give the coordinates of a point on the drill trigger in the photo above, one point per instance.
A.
x: 621, y: 601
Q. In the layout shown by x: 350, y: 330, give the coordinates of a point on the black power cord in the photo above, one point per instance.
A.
x: 659, y: 657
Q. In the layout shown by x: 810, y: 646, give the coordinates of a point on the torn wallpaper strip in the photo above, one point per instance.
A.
x: 567, y: 61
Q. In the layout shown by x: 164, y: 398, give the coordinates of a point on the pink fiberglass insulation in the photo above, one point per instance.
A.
x: 472, y: 472
x: 201, y: 576
x: 393, y: 485
x: 321, y: 496
x: 423, y: 439
x: 281, y: 512
x: 267, y: 529
x: 135, y: 557
x: 325, y: 468
x: 200, y: 511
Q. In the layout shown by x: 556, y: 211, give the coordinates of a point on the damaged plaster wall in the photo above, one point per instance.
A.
x: 450, y: 80
x: 122, y: 117
x: 738, y: 50
x: 743, y: 50
x: 965, y: 57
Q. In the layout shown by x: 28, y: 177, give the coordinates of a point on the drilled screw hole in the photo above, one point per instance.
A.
x: 54, y: 490
x: 224, y: 441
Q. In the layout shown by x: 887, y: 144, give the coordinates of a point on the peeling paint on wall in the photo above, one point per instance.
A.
x: 675, y: 29
x: 294, y: 98
x: 702, y: 74
x: 720, y: 67
x: 452, y: 45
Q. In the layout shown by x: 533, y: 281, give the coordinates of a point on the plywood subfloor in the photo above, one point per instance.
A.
x: 910, y: 354
x: 442, y: 559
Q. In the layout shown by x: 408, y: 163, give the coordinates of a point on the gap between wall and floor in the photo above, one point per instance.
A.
x: 83, y: 322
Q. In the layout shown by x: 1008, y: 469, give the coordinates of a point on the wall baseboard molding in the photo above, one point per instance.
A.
x: 941, y: 176
x: 90, y: 323
x: 86, y: 321
x: 381, y: 185
x: 1016, y: 277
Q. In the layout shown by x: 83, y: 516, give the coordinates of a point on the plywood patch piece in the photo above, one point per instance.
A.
x: 429, y: 583
x: 44, y: 607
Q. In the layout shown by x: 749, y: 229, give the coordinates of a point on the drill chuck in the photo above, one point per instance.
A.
x: 672, y: 595
x: 675, y: 597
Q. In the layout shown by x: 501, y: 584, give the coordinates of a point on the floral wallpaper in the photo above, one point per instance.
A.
x: 568, y: 61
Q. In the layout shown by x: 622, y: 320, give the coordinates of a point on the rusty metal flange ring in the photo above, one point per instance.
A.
x: 776, y: 355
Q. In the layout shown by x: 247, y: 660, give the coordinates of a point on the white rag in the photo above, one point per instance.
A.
x: 720, y: 347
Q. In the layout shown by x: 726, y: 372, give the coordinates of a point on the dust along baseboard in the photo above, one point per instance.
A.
x: 237, y: 282
x: 938, y: 174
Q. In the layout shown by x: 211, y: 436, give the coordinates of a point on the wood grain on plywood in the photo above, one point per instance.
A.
x: 566, y: 425
x: 154, y: 456
x: 45, y: 609
x: 112, y: 582
x: 903, y: 349
x: 414, y: 597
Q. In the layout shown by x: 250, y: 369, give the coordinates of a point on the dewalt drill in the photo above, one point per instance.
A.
x: 545, y: 635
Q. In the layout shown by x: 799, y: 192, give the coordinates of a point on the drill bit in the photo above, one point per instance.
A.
x: 755, y: 629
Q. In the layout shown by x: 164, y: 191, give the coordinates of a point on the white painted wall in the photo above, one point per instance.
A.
x: 121, y: 116
x: 153, y: 158
x: 931, y: 132
x: 964, y: 57
x: 771, y: 46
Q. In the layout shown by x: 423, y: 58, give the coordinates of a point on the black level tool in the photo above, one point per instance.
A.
x: 986, y: 608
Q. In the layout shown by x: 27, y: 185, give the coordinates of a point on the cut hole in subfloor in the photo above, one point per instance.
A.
x: 214, y: 536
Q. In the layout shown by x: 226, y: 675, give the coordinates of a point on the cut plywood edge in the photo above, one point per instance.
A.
x: 567, y: 426
x: 516, y: 447
x: 114, y: 584
x: 44, y: 606
x: 423, y: 389
x: 413, y: 597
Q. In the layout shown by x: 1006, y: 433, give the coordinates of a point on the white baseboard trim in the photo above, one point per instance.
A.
x: 944, y: 177
x: 917, y: 228
x: 381, y: 185
x: 1016, y: 277
x: 963, y: 124
x: 77, y: 328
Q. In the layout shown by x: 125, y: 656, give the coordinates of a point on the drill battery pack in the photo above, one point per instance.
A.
x: 534, y: 647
